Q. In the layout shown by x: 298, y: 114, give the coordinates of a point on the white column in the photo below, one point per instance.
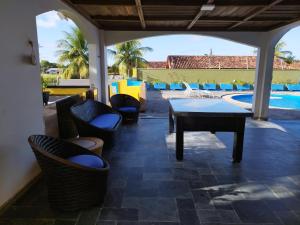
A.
x: 94, y: 68
x: 103, y: 68
x: 263, y: 80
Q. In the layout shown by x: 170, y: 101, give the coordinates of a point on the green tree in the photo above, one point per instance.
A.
x: 73, y: 53
x: 45, y: 65
x: 130, y: 54
x: 280, y: 53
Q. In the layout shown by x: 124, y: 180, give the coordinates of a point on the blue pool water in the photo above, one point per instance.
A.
x: 281, y: 101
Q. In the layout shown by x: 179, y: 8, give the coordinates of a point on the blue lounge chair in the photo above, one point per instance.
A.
x: 134, y: 82
x: 293, y: 87
x: 226, y: 87
x: 148, y: 86
x: 245, y: 87
x: 160, y: 86
x: 176, y: 86
x: 277, y: 87
x: 209, y: 86
x: 194, y: 86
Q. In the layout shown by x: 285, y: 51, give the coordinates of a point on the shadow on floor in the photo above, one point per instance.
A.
x: 147, y: 186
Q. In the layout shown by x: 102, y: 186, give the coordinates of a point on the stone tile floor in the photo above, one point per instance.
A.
x: 147, y: 186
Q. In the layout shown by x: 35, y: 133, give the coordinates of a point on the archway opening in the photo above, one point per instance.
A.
x: 64, y: 62
x: 191, y: 59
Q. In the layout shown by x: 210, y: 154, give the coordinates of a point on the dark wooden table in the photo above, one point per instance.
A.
x: 207, y: 115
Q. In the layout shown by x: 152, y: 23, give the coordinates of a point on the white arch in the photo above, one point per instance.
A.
x: 248, y: 38
x: 89, y: 30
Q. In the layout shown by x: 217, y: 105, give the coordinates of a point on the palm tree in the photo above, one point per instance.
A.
x: 282, y: 55
x: 279, y: 52
x: 130, y: 54
x: 73, y: 51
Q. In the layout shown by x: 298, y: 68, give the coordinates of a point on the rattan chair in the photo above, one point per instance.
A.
x: 86, y: 112
x: 127, y: 105
x: 66, y: 126
x: 71, y: 186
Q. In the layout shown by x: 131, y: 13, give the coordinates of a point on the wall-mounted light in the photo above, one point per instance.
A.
x: 32, y: 54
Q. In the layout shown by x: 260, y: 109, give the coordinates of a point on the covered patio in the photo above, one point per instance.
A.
x: 147, y: 185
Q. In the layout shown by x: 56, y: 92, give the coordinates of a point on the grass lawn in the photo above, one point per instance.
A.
x: 213, y: 75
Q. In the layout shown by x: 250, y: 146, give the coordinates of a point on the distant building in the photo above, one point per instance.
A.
x: 157, y: 64
x: 218, y: 62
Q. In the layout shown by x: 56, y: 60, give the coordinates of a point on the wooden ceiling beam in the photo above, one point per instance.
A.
x: 199, y: 14
x: 81, y: 12
x: 233, y: 3
x: 284, y: 23
x: 155, y: 28
x: 140, y: 13
x: 183, y: 18
x: 256, y: 13
x: 192, y: 23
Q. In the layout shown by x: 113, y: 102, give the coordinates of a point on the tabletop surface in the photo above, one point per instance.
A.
x: 207, y: 106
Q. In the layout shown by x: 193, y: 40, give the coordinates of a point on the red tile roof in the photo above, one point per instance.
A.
x: 221, y: 62
x: 157, y: 64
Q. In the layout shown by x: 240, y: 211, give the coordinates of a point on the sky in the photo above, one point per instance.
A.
x: 51, y: 29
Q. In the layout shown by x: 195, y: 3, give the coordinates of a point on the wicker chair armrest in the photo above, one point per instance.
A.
x: 120, y: 100
x: 103, y: 108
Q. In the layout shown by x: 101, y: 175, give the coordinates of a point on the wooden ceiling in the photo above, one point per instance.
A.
x: 180, y: 15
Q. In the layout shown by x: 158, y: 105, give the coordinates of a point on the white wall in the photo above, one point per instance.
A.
x: 20, y: 97
x: 74, y: 82
x: 21, y: 107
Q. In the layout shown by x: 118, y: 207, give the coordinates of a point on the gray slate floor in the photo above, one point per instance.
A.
x: 147, y: 186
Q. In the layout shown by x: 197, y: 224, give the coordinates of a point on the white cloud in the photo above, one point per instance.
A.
x: 48, y: 20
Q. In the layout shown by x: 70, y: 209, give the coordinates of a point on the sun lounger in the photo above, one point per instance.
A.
x: 176, y: 86
x: 277, y: 87
x: 226, y: 87
x: 209, y: 86
x: 245, y: 87
x: 194, y: 86
x: 189, y: 92
x: 293, y: 87
x: 160, y: 86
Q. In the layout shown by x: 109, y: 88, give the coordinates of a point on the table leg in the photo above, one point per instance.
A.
x: 237, y: 153
x: 171, y: 121
x: 179, y: 138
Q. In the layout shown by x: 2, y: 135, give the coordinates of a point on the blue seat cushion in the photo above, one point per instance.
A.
x: 128, y: 109
x: 87, y: 160
x: 108, y: 120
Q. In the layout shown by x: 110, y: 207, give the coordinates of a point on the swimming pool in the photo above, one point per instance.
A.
x: 280, y: 101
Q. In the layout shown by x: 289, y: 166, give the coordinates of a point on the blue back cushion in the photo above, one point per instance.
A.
x: 210, y: 86
x: 160, y: 86
x: 175, y: 86
x: 225, y: 86
x: 108, y: 120
x: 279, y: 87
x: 293, y: 87
x: 243, y: 87
x: 194, y: 86
x: 88, y: 161
x: 128, y: 109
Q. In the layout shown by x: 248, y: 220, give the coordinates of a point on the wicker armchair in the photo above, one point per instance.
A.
x: 127, y: 105
x: 66, y: 126
x: 87, y: 115
x: 70, y: 186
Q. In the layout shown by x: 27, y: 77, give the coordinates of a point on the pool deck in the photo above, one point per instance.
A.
x: 157, y: 103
